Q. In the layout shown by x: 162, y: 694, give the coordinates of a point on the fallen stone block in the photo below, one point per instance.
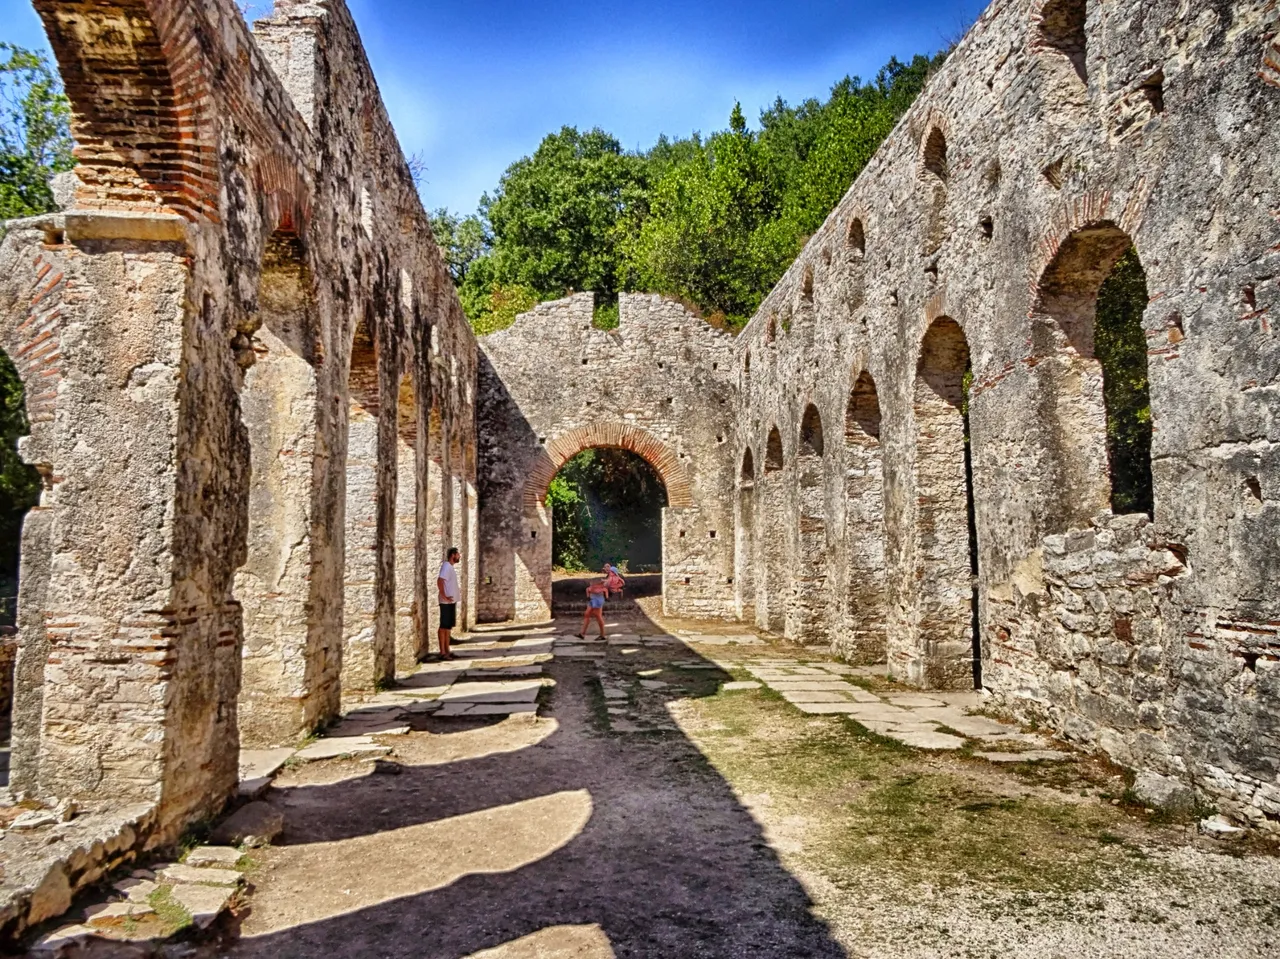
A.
x: 1219, y: 827
x: 182, y: 873
x: 223, y: 856
x: 61, y: 938
x: 341, y: 746
x: 929, y: 740
x: 135, y: 890
x: 256, y: 824
x: 116, y: 913
x: 204, y: 903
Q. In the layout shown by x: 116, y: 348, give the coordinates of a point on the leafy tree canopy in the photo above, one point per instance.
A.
x: 35, y: 134
x: 713, y: 221
x: 35, y: 143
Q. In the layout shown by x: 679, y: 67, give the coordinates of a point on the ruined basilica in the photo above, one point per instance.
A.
x: 260, y: 414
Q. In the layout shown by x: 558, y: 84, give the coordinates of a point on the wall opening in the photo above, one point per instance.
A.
x: 606, y: 506
x: 933, y: 160
x: 1087, y: 319
x: 934, y: 155
x: 360, y: 600
x: 809, y: 603
x: 1062, y: 32
x: 945, y: 559
x: 864, y: 638
x: 771, y: 540
x: 744, y: 542
x: 19, y: 492
x: 19, y: 486
x: 282, y: 683
x: 856, y: 239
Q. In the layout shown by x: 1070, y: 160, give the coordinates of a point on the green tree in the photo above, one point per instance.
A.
x: 713, y: 221
x: 462, y: 241
x: 555, y: 215
x: 35, y: 134
x: 35, y: 143
x: 1121, y: 347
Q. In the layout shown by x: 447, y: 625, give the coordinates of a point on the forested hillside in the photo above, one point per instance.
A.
x: 713, y: 221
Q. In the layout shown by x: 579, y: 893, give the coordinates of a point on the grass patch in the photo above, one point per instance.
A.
x: 879, y: 809
x: 169, y: 911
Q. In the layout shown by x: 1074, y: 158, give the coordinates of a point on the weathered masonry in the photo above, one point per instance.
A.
x: 661, y: 385
x: 918, y: 423
x: 260, y: 415
x: 251, y: 393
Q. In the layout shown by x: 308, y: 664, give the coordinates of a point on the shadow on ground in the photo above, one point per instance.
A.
x: 492, y: 833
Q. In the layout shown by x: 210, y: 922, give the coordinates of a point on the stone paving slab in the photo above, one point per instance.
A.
x: 784, y: 685
x: 486, y: 709
x: 929, y: 740
x: 1031, y: 755
x: 913, y: 700
x: 796, y: 696
x: 516, y: 691
x: 821, y: 708
x: 204, y: 903
x: 255, y: 763
x: 341, y: 746
x: 740, y: 684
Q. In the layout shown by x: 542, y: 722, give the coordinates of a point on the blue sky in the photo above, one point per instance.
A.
x: 472, y: 86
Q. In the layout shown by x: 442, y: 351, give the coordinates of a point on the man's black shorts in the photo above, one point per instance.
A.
x: 448, y: 615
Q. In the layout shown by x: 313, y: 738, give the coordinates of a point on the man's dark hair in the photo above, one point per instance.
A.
x: 451, y: 552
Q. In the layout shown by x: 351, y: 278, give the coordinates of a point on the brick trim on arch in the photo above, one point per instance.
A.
x: 136, y: 75
x: 618, y: 435
x: 1089, y: 208
x: 286, y: 195
x: 35, y: 344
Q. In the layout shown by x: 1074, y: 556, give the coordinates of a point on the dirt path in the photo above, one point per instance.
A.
x: 749, y: 829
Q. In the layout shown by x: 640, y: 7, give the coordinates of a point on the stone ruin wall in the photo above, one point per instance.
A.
x: 245, y: 363
x: 987, y: 221
x: 552, y: 385
x: 251, y: 390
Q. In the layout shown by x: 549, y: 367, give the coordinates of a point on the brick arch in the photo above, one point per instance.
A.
x: 286, y: 194
x: 134, y: 74
x: 621, y: 436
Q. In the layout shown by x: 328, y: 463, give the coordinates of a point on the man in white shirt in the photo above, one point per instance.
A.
x: 447, y: 586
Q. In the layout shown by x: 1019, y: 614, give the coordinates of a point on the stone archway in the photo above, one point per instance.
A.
x: 620, y: 435
x: 681, y: 528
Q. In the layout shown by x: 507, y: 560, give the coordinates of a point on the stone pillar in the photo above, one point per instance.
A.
x: 407, y: 613
x: 359, y: 618
x: 127, y: 588
x: 32, y: 653
x: 274, y: 586
x: 774, y: 582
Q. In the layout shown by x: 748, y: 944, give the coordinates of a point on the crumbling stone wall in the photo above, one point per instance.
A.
x: 245, y: 266
x: 1056, y: 135
x: 551, y: 385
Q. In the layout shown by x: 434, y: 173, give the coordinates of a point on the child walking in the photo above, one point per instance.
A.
x: 597, y: 591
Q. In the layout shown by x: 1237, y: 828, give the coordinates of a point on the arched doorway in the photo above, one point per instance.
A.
x: 680, y: 525
x: 19, y: 492
x: 772, y: 587
x: 864, y: 637
x: 284, y: 583
x: 1087, y: 321
x: 606, y: 506
x: 809, y: 600
x: 744, y: 540
x: 945, y: 554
